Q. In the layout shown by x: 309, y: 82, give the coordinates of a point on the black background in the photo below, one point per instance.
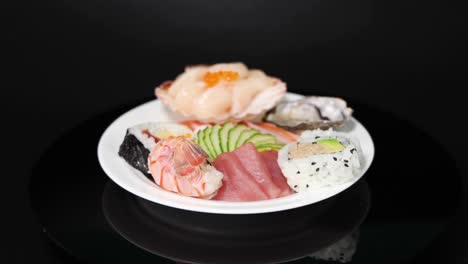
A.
x: 67, y: 61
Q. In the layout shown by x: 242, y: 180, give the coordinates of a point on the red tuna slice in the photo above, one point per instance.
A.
x: 253, y: 162
x: 238, y: 185
x: 271, y: 160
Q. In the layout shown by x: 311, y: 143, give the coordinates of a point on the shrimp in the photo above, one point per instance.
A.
x: 178, y: 165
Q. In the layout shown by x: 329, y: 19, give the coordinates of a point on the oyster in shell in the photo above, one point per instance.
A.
x: 221, y: 92
x: 310, y: 112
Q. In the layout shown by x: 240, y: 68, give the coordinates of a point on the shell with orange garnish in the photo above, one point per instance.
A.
x: 221, y: 92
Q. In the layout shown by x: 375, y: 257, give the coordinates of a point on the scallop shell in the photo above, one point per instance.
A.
x: 311, y: 112
x: 263, y: 102
x: 255, y: 109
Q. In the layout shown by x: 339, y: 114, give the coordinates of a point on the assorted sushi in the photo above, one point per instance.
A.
x: 139, y: 140
x: 319, y: 159
x: 223, y: 150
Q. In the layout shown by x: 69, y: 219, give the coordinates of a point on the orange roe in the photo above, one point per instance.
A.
x: 213, y: 78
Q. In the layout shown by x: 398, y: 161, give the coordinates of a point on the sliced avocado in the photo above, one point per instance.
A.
x: 207, y: 142
x: 233, y: 135
x: 199, y: 138
x: 223, y: 136
x: 200, y: 142
x: 331, y: 144
x: 265, y: 147
x: 262, y: 139
x: 245, y: 135
x: 215, y: 140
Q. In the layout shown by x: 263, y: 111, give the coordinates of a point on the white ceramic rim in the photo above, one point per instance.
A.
x: 135, y: 182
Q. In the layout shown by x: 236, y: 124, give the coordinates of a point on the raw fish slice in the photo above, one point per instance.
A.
x: 252, y: 160
x: 281, y: 134
x: 194, y: 125
x: 271, y: 160
x: 177, y: 164
x: 237, y: 183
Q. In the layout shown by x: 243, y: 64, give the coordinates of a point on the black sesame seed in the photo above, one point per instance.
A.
x: 295, y: 186
x: 317, y: 137
x: 353, y: 150
x: 289, y: 158
x: 307, y: 185
x: 314, y: 142
x: 345, y: 160
x: 313, y: 163
x: 335, y: 159
x: 317, y: 169
x: 298, y: 172
x: 346, y: 165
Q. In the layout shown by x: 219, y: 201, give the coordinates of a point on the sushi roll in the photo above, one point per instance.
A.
x: 141, y: 139
x: 319, y: 159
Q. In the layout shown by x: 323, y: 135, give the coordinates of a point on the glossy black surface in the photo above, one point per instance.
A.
x: 414, y: 195
x: 213, y: 238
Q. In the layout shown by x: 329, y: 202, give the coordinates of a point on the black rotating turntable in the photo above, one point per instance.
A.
x: 414, y: 197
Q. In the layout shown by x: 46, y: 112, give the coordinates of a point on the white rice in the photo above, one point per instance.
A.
x: 322, y: 170
x: 160, y: 130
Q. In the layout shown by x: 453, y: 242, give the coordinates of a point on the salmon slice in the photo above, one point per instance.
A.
x: 194, y: 125
x: 282, y: 134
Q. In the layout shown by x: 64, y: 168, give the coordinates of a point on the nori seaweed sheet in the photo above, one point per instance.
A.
x: 135, y: 154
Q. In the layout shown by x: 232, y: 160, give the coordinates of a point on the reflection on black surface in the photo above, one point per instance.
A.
x: 207, y: 238
x: 414, y: 184
x: 341, y: 251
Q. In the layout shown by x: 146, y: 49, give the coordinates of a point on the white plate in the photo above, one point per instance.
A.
x: 135, y: 182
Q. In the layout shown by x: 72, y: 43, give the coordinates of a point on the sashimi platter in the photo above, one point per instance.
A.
x: 227, y: 139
